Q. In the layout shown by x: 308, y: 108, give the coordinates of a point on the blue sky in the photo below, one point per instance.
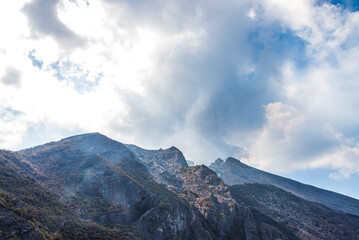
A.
x: 271, y: 82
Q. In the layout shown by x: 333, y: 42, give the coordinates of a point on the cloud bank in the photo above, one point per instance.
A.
x: 270, y: 81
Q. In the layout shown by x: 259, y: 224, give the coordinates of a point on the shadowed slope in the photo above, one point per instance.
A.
x: 308, y: 220
x: 233, y: 172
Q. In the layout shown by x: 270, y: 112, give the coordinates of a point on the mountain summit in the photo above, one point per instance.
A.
x: 92, y: 187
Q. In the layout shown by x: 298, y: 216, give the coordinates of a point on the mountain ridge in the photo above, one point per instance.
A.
x: 235, y: 172
x: 89, y: 186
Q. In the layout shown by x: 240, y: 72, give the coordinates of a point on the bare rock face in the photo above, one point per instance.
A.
x: 92, y: 187
x: 164, y: 164
x: 227, y: 217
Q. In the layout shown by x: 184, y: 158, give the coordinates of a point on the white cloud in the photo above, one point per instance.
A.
x: 292, y: 140
x: 188, y: 74
x: 123, y: 58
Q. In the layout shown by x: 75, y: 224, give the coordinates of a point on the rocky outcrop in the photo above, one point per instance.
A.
x: 164, y: 164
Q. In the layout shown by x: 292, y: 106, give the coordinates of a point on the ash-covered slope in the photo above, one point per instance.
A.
x: 92, y: 187
x: 233, y: 172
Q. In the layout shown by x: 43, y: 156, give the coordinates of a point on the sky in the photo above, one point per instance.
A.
x: 274, y: 83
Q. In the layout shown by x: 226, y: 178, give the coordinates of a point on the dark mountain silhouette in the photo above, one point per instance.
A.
x: 92, y: 187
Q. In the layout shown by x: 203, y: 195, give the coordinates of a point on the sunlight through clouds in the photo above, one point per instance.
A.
x: 270, y: 81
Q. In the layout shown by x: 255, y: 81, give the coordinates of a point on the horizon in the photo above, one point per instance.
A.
x: 272, y: 83
x: 206, y: 164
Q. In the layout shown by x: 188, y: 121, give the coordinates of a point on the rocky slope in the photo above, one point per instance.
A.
x: 92, y: 187
x: 305, y: 219
x: 30, y: 210
x: 233, y: 172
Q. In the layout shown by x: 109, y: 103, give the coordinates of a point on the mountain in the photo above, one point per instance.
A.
x: 233, y: 172
x: 92, y: 187
x: 308, y: 220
